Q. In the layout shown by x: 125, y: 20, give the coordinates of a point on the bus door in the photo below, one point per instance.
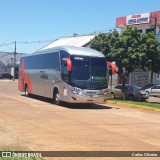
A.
x: 52, y: 72
x: 40, y: 75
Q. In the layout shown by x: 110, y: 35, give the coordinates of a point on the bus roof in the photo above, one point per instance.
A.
x: 72, y: 50
x: 82, y: 51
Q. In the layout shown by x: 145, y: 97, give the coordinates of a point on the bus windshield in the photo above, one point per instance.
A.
x: 89, y: 72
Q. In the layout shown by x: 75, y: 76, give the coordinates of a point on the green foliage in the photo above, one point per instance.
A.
x: 105, y: 42
x: 130, y: 50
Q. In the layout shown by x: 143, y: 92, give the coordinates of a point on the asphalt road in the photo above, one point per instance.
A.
x: 37, y: 124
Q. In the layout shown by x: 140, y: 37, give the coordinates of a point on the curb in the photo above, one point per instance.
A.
x: 135, y: 106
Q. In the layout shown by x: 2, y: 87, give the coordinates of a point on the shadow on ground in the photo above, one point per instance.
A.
x: 72, y: 106
x: 155, y: 102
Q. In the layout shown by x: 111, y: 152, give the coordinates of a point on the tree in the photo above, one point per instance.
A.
x: 130, y: 50
x: 105, y: 42
x: 151, y: 58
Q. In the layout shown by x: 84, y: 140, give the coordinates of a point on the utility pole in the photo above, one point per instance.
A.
x: 155, y: 26
x: 155, y: 23
x: 14, y: 65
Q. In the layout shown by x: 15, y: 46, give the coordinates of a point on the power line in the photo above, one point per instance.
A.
x: 32, y: 42
x: 26, y: 42
x: 47, y: 41
x: 8, y: 45
x: 4, y: 44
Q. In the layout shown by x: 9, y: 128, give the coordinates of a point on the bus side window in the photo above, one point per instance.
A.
x: 65, y: 73
x: 64, y: 70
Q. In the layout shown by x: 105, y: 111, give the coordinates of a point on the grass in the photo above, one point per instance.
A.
x: 148, y: 104
x: 15, y: 158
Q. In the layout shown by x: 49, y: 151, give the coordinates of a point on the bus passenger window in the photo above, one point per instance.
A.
x: 65, y: 73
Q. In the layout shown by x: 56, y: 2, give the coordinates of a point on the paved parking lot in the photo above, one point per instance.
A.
x: 37, y: 124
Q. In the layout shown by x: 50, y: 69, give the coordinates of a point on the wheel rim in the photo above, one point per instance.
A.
x: 26, y: 91
x: 56, y: 98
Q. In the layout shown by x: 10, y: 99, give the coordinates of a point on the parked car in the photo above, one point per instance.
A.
x: 131, y: 92
x: 153, y: 91
x: 6, y: 76
x: 149, y: 85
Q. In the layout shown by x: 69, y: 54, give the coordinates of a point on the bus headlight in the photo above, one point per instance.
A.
x: 75, y: 90
x: 105, y: 91
x: 65, y: 93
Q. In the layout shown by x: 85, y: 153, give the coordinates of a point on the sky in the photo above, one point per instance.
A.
x: 43, y: 21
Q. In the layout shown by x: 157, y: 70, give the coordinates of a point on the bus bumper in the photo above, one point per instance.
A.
x: 74, y: 98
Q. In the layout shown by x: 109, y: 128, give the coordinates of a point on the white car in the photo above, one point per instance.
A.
x: 154, y: 91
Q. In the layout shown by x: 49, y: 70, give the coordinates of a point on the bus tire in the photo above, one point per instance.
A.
x: 26, y: 91
x: 112, y: 96
x: 56, y: 98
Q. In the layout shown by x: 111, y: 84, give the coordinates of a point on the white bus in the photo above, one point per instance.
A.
x: 65, y: 73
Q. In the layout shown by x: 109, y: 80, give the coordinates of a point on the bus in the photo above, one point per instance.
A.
x: 65, y: 74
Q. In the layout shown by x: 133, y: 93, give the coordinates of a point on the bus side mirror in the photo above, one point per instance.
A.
x: 68, y: 62
x: 112, y: 68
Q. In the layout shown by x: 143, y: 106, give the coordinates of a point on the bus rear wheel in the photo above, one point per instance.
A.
x: 26, y: 91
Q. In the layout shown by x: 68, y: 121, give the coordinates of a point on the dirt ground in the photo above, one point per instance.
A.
x: 154, y: 99
x: 38, y: 125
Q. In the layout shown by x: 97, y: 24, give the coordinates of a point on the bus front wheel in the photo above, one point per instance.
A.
x: 56, y: 98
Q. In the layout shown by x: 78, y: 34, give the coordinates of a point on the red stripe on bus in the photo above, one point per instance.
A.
x: 24, y: 79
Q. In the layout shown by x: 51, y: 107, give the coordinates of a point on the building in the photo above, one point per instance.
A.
x: 7, y: 62
x: 75, y: 40
x: 144, y: 22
